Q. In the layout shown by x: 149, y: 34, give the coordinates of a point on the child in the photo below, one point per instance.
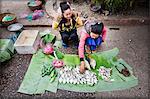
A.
x: 67, y: 24
x: 91, y: 38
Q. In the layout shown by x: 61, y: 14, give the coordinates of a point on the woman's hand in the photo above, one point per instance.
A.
x: 82, y: 67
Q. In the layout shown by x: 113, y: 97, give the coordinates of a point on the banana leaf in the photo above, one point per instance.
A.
x: 71, y: 59
x: 47, y: 36
x: 120, y: 82
x: 110, y: 54
x: 6, y: 49
x: 33, y: 83
x: 77, y: 88
x: 104, y: 58
x: 59, y: 54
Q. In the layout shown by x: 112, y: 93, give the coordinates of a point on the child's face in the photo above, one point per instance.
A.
x: 93, y: 35
x: 67, y: 14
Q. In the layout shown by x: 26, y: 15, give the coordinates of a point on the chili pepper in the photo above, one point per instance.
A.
x: 52, y: 73
x: 53, y: 78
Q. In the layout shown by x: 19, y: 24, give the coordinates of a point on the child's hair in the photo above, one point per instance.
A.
x: 97, y: 28
x: 64, y: 6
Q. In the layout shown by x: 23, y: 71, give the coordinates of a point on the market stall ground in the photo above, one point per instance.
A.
x: 129, y: 40
x: 133, y: 47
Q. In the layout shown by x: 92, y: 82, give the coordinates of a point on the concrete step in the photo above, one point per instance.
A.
x: 18, y: 7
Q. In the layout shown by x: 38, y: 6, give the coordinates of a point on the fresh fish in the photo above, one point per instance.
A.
x: 60, y: 80
x: 64, y: 81
x: 87, y: 65
x: 92, y: 63
x: 73, y: 76
x: 81, y: 82
x: 71, y: 81
x: 105, y: 73
x: 67, y: 80
x: 61, y: 72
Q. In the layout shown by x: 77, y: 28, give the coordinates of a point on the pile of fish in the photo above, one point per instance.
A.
x: 105, y: 73
x: 73, y: 76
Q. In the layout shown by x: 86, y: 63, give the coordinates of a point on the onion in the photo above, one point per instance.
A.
x: 57, y: 63
x: 48, y: 49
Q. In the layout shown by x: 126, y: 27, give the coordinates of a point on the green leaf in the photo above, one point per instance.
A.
x: 59, y: 54
x: 48, y: 38
x: 71, y: 59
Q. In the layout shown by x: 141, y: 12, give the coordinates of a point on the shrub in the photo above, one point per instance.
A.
x: 114, y: 5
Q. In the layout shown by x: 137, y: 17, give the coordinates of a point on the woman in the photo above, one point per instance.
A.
x: 92, y: 37
x: 67, y: 24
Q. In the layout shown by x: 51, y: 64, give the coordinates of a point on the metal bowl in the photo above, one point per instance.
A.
x: 15, y: 27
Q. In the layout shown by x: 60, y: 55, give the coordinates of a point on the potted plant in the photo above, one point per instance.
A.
x: 95, y: 5
x: 113, y: 6
x: 35, y: 5
x: 116, y: 6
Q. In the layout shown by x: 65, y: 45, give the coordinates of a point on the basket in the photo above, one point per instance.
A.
x: 33, y: 8
x: 6, y: 23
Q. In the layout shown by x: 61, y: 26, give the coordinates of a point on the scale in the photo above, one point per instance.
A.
x: 16, y: 28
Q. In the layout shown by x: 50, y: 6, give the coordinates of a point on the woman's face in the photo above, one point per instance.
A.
x: 67, y: 14
x: 93, y: 35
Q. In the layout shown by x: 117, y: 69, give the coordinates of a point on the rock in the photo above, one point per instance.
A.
x: 130, y: 40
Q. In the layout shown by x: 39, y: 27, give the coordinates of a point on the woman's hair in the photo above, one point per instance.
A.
x: 64, y: 6
x: 97, y: 28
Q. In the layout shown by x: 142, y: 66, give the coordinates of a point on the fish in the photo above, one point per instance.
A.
x: 67, y: 80
x: 87, y: 65
x: 73, y: 76
x: 92, y: 63
x: 71, y: 81
x: 64, y: 81
x: 60, y: 80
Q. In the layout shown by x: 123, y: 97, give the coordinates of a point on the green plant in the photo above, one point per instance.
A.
x: 115, y: 5
x: 118, y: 5
x: 97, y: 2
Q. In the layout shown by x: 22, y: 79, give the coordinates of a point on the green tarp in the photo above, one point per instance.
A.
x: 33, y: 83
x: 6, y: 49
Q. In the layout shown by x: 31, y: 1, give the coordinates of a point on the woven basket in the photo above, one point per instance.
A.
x: 33, y: 8
x: 6, y: 23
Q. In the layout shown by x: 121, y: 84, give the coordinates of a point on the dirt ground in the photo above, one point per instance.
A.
x: 132, y: 41
x: 133, y: 46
